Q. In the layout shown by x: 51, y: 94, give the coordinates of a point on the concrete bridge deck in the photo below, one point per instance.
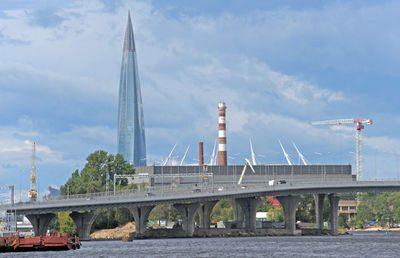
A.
x: 189, y: 201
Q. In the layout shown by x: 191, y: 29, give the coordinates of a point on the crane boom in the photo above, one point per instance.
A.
x: 343, y: 121
x: 360, y: 126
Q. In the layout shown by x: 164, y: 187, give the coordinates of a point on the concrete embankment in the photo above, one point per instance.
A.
x: 128, y: 231
x: 220, y: 232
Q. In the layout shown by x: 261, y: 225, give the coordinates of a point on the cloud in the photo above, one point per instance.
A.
x: 46, y: 18
x: 276, y: 69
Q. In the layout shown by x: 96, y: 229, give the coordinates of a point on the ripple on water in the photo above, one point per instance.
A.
x: 360, y: 244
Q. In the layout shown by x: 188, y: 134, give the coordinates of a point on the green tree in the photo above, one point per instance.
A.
x: 364, y: 215
x: 306, y: 209
x: 92, y: 178
x: 165, y: 211
x: 265, y: 206
x: 67, y: 225
x: 382, y: 208
x: 343, y: 221
x: 222, y: 211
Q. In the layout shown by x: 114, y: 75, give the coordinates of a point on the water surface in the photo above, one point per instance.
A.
x: 360, y: 244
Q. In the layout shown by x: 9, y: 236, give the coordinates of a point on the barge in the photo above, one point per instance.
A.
x: 53, y: 242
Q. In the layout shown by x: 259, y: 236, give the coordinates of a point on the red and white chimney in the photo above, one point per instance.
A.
x: 222, y: 156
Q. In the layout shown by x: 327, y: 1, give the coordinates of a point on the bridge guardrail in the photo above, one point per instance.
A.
x: 183, y: 191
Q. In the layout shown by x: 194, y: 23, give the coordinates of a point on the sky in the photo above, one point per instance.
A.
x: 278, y: 66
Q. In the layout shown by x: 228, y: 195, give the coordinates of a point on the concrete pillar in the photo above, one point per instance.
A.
x: 84, y: 222
x: 237, y: 211
x: 319, y: 209
x: 249, y: 208
x: 205, y: 213
x: 40, y: 222
x: 334, y: 201
x: 140, y: 214
x: 289, y: 205
x: 188, y: 213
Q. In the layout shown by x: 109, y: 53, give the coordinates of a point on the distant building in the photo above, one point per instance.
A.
x: 53, y: 191
x: 348, y: 205
x: 131, y: 135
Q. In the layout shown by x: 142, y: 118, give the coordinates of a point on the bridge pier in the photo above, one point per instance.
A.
x: 249, y: 207
x: 205, y: 213
x: 84, y: 222
x: 40, y: 222
x: 334, y: 201
x: 289, y: 205
x: 140, y: 214
x: 237, y: 211
x: 319, y: 209
x: 188, y: 212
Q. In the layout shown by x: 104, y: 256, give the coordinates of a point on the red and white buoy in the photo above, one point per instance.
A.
x: 222, y: 156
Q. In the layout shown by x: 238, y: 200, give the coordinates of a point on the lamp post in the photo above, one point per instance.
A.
x: 107, y: 181
x: 68, y: 191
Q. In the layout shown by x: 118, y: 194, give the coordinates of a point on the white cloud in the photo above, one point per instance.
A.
x: 186, y: 64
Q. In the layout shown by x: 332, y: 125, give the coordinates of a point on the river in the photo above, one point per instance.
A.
x: 360, y: 244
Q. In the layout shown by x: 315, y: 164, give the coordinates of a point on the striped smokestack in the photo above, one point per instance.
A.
x: 222, y: 161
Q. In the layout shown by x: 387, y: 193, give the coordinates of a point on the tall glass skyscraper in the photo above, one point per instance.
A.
x: 131, y: 136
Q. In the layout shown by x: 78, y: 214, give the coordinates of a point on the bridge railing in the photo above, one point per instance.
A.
x: 188, y: 190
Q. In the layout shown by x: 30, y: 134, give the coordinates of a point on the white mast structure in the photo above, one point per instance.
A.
x: 169, y: 157
x: 286, y: 155
x: 360, y: 125
x: 303, y: 159
x: 244, y: 170
x: 184, y: 156
x: 213, y: 159
x: 253, y: 154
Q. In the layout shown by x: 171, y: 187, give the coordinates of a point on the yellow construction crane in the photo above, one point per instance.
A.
x: 32, y: 195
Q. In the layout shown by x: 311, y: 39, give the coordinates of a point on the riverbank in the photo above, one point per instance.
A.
x: 128, y: 232
x: 114, y: 233
x: 376, y: 229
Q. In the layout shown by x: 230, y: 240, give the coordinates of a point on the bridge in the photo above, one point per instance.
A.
x: 190, y: 200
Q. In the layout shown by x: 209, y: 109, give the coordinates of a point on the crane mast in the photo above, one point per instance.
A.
x: 360, y: 125
x: 32, y: 194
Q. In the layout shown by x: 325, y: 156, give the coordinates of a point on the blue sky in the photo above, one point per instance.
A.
x: 278, y: 65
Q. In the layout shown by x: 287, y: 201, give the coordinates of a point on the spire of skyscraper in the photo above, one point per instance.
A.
x: 131, y: 131
x: 129, y: 42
